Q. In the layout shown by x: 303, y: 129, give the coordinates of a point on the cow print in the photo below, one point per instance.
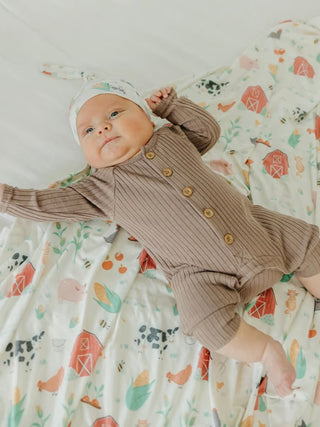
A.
x: 22, y: 351
x: 212, y: 87
x: 298, y: 114
x: 16, y: 260
x: 157, y: 339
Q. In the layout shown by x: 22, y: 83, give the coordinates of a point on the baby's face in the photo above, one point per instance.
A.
x: 112, y: 129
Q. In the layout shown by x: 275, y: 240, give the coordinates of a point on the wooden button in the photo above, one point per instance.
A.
x: 208, y: 213
x: 167, y: 172
x: 228, y: 238
x: 187, y: 191
x: 150, y: 155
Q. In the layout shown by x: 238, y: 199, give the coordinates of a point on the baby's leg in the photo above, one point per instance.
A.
x: 312, y: 283
x: 251, y: 345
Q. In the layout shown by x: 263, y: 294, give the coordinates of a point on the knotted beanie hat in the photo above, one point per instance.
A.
x: 102, y: 86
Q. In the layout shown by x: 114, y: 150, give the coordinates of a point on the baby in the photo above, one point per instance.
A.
x: 216, y: 248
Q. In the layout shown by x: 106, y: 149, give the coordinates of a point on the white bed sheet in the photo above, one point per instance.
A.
x: 148, y: 42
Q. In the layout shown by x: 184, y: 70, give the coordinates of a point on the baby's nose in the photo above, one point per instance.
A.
x: 104, y: 127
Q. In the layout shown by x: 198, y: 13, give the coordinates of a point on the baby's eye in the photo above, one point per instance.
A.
x: 89, y: 130
x: 115, y: 113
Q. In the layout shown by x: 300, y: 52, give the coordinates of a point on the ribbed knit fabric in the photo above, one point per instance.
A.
x: 216, y: 247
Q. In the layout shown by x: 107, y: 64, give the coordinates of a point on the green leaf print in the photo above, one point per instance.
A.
x: 262, y: 406
x: 81, y: 233
x: 107, y: 299
x: 190, y: 417
x: 42, y: 421
x: 137, y: 396
x: 301, y: 365
x: 16, y: 413
x: 286, y: 277
x: 294, y: 139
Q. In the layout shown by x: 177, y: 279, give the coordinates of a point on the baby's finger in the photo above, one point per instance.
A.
x: 164, y: 92
x: 157, y: 93
x: 155, y: 98
x: 152, y: 105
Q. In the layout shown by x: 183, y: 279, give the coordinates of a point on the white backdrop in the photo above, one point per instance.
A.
x: 148, y: 42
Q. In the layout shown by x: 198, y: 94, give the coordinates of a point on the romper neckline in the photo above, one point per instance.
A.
x: 141, y: 154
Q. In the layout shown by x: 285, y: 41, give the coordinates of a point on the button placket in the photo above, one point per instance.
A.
x: 229, y: 239
x: 167, y: 172
x: 208, y: 212
x: 187, y: 191
x: 150, y: 155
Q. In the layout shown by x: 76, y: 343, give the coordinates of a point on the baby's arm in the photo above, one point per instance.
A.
x: 90, y: 198
x: 199, y: 126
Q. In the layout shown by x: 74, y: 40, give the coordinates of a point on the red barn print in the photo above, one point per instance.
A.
x: 105, y: 422
x: 254, y: 99
x: 301, y: 67
x: 264, y: 305
x: 22, y: 280
x: 260, y: 405
x: 203, y: 363
x: 85, y: 353
x: 276, y: 164
x: 317, y: 128
x: 146, y: 262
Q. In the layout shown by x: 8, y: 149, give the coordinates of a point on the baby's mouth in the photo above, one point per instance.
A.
x: 106, y: 141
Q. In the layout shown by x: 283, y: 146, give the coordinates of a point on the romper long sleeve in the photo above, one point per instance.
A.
x: 216, y: 248
x: 75, y: 203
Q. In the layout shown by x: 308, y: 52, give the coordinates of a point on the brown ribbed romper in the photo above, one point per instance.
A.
x: 216, y: 248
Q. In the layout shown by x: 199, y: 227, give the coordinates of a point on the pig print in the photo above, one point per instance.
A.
x: 71, y: 290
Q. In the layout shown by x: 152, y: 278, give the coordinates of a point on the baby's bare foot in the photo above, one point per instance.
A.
x: 280, y: 371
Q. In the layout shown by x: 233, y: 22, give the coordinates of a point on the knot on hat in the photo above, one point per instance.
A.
x: 94, y: 83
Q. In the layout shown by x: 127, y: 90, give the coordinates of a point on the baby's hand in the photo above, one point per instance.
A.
x: 157, y: 96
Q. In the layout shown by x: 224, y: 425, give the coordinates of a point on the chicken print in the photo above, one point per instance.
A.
x: 52, y: 384
x: 260, y: 141
x: 225, y: 107
x: 316, y: 130
x: 181, y: 377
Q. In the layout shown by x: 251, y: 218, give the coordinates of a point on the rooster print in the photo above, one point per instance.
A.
x: 180, y: 377
x: 52, y: 384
